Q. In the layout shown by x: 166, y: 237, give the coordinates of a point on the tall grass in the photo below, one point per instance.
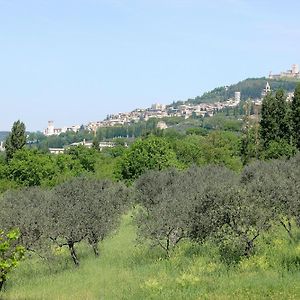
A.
x: 126, y: 270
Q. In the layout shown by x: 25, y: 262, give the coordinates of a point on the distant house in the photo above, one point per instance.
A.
x: 162, y: 125
x: 56, y: 150
x: 83, y: 143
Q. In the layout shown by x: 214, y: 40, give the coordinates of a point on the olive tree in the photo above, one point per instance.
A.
x: 26, y: 209
x: 174, y: 204
x: 106, y: 202
x: 162, y: 210
x: 208, y: 203
x: 276, y: 185
x: 85, y: 208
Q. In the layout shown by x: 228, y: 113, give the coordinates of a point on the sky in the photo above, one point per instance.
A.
x: 75, y: 61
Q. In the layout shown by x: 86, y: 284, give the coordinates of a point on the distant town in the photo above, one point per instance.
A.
x: 157, y: 111
x: 160, y: 111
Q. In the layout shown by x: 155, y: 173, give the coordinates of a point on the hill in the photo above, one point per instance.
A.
x: 3, y: 135
x: 249, y: 88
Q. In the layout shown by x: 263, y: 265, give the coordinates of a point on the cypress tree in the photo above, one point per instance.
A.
x: 268, y: 123
x: 295, y: 115
x: 16, y: 139
x: 281, y: 116
x: 274, y: 124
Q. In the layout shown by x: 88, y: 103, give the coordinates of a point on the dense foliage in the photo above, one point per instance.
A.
x: 10, y: 253
x: 80, y: 209
x: 213, y: 203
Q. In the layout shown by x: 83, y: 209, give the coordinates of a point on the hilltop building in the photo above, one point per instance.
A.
x: 292, y: 73
x: 51, y: 130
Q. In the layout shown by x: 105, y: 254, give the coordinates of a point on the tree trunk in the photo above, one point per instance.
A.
x: 249, y: 248
x: 95, y: 248
x: 1, y: 283
x: 73, y: 253
x: 250, y: 245
x: 288, y: 229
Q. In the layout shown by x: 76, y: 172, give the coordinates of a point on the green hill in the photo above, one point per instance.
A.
x: 249, y: 88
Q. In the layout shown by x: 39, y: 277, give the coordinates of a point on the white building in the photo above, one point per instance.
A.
x: 158, y: 106
x: 56, y: 150
x: 2, y: 148
x: 51, y: 130
x: 237, y: 96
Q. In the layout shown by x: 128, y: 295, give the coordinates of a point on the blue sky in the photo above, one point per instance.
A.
x: 74, y: 61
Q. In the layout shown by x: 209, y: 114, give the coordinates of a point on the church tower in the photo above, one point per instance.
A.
x: 266, y: 90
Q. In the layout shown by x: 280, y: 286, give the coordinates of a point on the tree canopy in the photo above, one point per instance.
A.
x: 16, y: 140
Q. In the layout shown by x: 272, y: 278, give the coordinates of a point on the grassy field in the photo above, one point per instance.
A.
x: 127, y: 271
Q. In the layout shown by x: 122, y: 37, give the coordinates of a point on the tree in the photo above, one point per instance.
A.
x: 96, y: 144
x: 16, y: 140
x: 250, y: 146
x: 207, y: 203
x: 274, y: 124
x: 26, y: 209
x: 10, y: 253
x: 189, y: 151
x: 87, y: 157
x: 220, y: 212
x: 163, y: 211
x: 31, y: 167
x: 222, y: 148
x: 268, y: 123
x: 295, y: 115
x: 105, y: 203
x: 275, y: 185
x: 152, y: 153
x: 279, y: 148
x: 85, y: 208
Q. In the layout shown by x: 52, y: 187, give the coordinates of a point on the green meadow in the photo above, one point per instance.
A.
x: 127, y: 269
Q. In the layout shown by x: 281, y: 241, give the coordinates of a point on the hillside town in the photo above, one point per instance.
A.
x: 160, y: 111
x: 185, y: 110
x: 157, y: 111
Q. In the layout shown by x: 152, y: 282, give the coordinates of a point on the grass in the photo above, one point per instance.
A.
x: 125, y: 270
